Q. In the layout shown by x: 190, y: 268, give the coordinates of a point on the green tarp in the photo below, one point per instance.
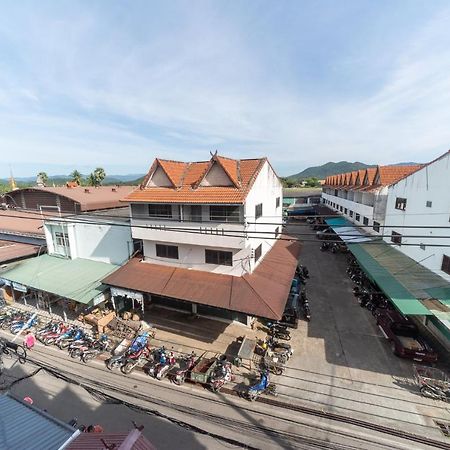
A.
x: 76, y: 279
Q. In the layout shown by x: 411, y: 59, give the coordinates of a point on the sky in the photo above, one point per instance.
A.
x: 115, y: 84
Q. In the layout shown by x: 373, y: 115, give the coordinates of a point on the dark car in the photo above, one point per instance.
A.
x: 404, y: 336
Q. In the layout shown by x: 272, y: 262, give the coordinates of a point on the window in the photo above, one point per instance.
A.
x: 196, y: 213
x: 258, y: 251
x: 365, y: 220
x: 61, y: 239
x: 258, y: 210
x: 400, y: 203
x: 357, y: 217
x: 335, y: 192
x: 422, y: 246
x: 396, y: 238
x: 446, y: 264
x: 167, y: 251
x: 161, y: 211
x: 219, y: 257
x: 428, y: 204
x: 224, y: 213
x: 376, y: 226
x: 277, y: 231
x: 340, y: 208
x: 350, y: 213
x: 345, y: 210
x: 277, y: 202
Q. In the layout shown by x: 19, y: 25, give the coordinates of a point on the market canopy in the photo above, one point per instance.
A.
x: 347, y: 231
x: 76, y: 279
x: 414, y: 289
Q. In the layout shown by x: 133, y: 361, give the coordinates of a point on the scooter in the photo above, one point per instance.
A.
x: 325, y: 246
x: 279, y: 347
x: 178, y: 375
x: 133, y: 359
x: 132, y: 352
x: 52, y: 336
x: 162, y: 369
x: 24, y: 324
x: 77, y: 335
x: 77, y: 348
x: 99, y: 346
x: 263, y: 386
x: 280, y: 334
x: 222, y: 373
x: 158, y: 357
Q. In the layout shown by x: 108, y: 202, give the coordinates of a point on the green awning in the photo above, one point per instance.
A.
x: 76, y: 279
x: 413, y: 288
x: 405, y: 301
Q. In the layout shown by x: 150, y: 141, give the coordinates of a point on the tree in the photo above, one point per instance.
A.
x: 312, y: 182
x: 99, y: 175
x: 76, y: 177
x: 42, y: 177
x: 91, y: 181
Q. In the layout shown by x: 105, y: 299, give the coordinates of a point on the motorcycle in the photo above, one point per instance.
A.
x: 50, y: 337
x: 164, y: 365
x: 306, y: 310
x: 263, y: 386
x: 158, y: 356
x: 76, y: 335
x: 77, y: 348
x: 133, y: 359
x: 99, y: 346
x: 280, y: 334
x: 130, y: 354
x: 325, y: 246
x: 222, y: 373
x: 23, y: 325
x: 178, y: 374
x: 279, y: 347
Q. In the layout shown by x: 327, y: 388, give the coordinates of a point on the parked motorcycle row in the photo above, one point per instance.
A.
x: 366, y: 293
x: 302, y: 274
x: 16, y: 320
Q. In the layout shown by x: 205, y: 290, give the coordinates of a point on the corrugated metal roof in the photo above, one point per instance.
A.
x: 76, y: 279
x: 408, y: 284
x: 12, y: 251
x: 24, y: 427
x: 262, y: 293
x: 97, y: 441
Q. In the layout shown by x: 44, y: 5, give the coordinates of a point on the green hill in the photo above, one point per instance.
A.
x: 329, y: 168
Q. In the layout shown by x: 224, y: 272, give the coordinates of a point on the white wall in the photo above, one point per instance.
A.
x: 431, y: 183
x: 266, y: 188
x: 99, y: 242
x: 193, y: 257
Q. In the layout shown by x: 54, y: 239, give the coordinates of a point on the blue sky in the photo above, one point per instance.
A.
x: 114, y: 84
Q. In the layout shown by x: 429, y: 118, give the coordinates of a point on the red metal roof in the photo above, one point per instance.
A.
x: 13, y: 251
x: 97, y: 441
x: 186, y: 179
x: 262, y: 293
x: 21, y: 222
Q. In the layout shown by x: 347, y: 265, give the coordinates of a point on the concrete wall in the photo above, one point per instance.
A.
x: 99, y: 242
x: 431, y: 183
x: 193, y: 257
x: 265, y: 190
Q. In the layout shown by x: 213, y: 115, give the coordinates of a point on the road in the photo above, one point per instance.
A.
x: 175, y: 412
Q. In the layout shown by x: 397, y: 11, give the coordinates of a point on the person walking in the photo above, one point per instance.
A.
x: 29, y: 340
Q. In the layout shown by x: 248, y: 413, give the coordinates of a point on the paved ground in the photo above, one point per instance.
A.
x: 343, y: 363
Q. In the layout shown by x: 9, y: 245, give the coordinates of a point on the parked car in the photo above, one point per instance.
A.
x: 404, y: 336
x: 326, y: 233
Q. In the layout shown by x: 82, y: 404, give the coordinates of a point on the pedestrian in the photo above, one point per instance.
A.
x: 94, y: 429
x: 29, y: 340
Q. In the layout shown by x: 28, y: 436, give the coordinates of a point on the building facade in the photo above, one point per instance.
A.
x: 219, y: 216
x: 361, y: 196
x: 418, y: 216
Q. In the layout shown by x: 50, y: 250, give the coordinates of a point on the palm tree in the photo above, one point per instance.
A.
x: 91, y: 180
x: 99, y: 175
x: 76, y: 177
x: 42, y: 177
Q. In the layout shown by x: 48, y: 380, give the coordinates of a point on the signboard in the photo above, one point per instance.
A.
x: 19, y: 287
x: 116, y: 292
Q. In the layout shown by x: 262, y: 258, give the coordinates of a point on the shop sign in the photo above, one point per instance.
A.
x: 116, y: 292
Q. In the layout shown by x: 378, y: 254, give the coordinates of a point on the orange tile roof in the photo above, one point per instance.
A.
x: 186, y: 178
x: 390, y: 174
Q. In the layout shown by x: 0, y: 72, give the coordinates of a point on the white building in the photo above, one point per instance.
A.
x: 361, y: 196
x: 212, y: 222
x: 418, y: 213
x: 89, y: 237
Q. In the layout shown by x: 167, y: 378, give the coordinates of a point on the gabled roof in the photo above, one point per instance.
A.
x: 186, y: 179
x: 387, y: 175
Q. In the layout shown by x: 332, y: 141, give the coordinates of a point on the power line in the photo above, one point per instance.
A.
x: 244, y: 233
